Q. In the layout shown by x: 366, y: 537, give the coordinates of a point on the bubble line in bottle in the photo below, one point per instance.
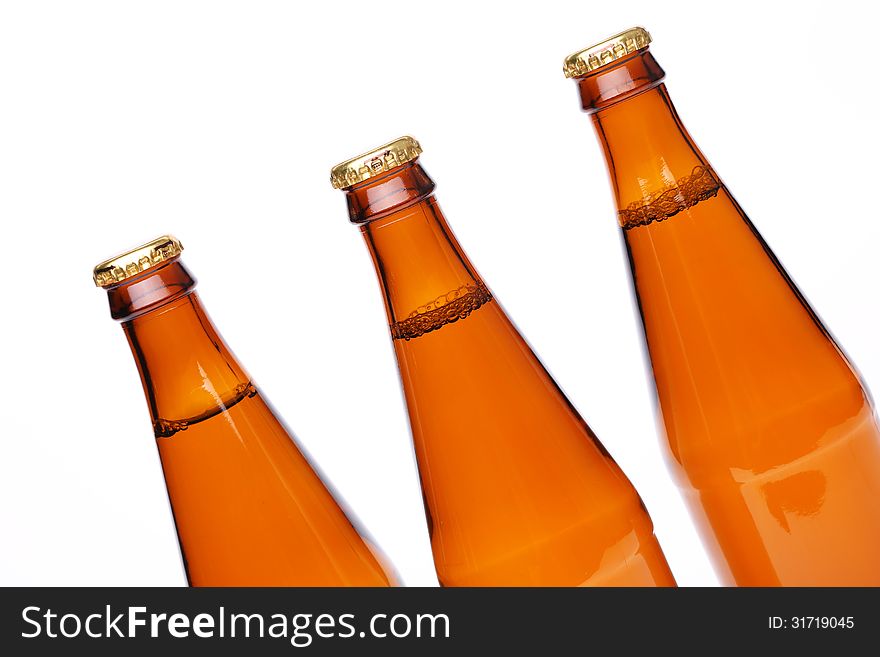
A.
x: 445, y: 309
x: 163, y: 428
x: 700, y: 185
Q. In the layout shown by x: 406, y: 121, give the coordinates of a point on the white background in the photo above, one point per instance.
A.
x: 218, y: 122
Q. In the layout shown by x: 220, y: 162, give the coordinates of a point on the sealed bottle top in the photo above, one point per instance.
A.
x: 606, y: 52
x: 375, y: 162
x: 136, y: 261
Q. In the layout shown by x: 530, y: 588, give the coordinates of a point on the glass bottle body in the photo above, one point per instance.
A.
x: 773, y: 437
x: 517, y: 489
x: 249, y: 508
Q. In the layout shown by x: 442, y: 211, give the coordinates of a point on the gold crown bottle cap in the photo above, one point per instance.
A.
x: 131, y: 263
x: 374, y: 162
x: 604, y: 53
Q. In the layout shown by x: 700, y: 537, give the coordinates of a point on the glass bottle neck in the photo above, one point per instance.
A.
x: 656, y: 168
x: 388, y: 193
x: 425, y: 275
x: 187, y: 371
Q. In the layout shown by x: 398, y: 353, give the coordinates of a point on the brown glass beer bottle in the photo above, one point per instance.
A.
x: 518, y: 491
x: 249, y: 508
x: 773, y: 435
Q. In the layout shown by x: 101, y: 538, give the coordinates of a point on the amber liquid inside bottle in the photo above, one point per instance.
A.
x: 518, y: 491
x: 774, y: 437
x: 249, y: 508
